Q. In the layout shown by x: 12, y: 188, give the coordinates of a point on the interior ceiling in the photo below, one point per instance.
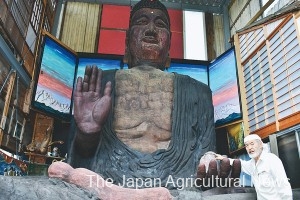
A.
x: 210, y: 6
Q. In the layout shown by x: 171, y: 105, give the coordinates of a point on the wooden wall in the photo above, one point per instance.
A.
x: 240, y: 13
x: 218, y: 28
x: 80, y: 26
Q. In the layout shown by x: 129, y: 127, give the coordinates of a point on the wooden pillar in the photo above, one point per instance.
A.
x: 210, y: 36
x: 242, y: 85
x: 29, y: 92
x: 10, y: 88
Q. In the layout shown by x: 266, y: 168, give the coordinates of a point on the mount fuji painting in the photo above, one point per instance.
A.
x: 224, y: 86
x: 54, y: 87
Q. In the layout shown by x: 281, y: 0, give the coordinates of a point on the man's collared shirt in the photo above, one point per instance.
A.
x: 269, y: 177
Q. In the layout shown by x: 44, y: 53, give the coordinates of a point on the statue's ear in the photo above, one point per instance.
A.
x: 126, y: 57
x: 168, y: 62
x: 127, y: 54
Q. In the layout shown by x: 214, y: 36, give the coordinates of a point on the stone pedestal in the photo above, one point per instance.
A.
x: 42, y: 187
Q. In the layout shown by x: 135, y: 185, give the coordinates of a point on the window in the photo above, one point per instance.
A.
x: 270, y: 67
x: 194, y: 36
x: 36, y: 15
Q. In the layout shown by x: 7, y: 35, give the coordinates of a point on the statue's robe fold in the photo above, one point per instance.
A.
x: 192, y: 135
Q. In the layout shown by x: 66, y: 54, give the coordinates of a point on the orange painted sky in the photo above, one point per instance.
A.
x: 223, y: 95
x: 47, y: 81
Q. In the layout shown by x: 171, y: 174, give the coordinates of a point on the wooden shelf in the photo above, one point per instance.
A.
x: 40, y: 158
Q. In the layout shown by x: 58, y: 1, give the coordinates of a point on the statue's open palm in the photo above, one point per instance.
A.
x: 91, y: 108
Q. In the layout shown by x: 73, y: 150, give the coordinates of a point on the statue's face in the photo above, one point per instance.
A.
x: 149, y: 38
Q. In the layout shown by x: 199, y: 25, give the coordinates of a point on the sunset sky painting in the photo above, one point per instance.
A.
x: 56, y: 76
x: 223, y: 83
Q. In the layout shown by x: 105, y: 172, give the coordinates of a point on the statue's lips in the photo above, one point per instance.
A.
x: 150, y: 39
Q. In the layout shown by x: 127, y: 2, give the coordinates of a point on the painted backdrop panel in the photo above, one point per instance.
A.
x: 224, y: 86
x: 55, y: 81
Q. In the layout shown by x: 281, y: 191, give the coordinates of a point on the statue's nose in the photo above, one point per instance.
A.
x: 151, y: 26
x: 151, y: 30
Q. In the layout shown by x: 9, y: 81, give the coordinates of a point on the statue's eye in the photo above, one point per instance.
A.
x: 161, y: 24
x: 141, y: 21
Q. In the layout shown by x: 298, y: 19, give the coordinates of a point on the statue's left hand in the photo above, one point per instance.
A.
x: 215, y: 170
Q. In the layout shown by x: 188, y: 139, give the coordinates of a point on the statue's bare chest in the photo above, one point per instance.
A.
x: 143, y: 108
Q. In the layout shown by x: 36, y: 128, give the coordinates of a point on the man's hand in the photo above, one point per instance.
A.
x: 215, y: 170
x: 91, y: 108
x: 219, y: 157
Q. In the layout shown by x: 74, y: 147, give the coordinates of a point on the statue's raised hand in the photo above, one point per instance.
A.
x: 91, y: 108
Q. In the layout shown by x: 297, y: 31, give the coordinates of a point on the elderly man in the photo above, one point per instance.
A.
x: 266, y: 171
x: 141, y: 127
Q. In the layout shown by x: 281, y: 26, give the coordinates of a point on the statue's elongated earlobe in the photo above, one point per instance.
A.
x: 168, y: 61
x: 126, y: 57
